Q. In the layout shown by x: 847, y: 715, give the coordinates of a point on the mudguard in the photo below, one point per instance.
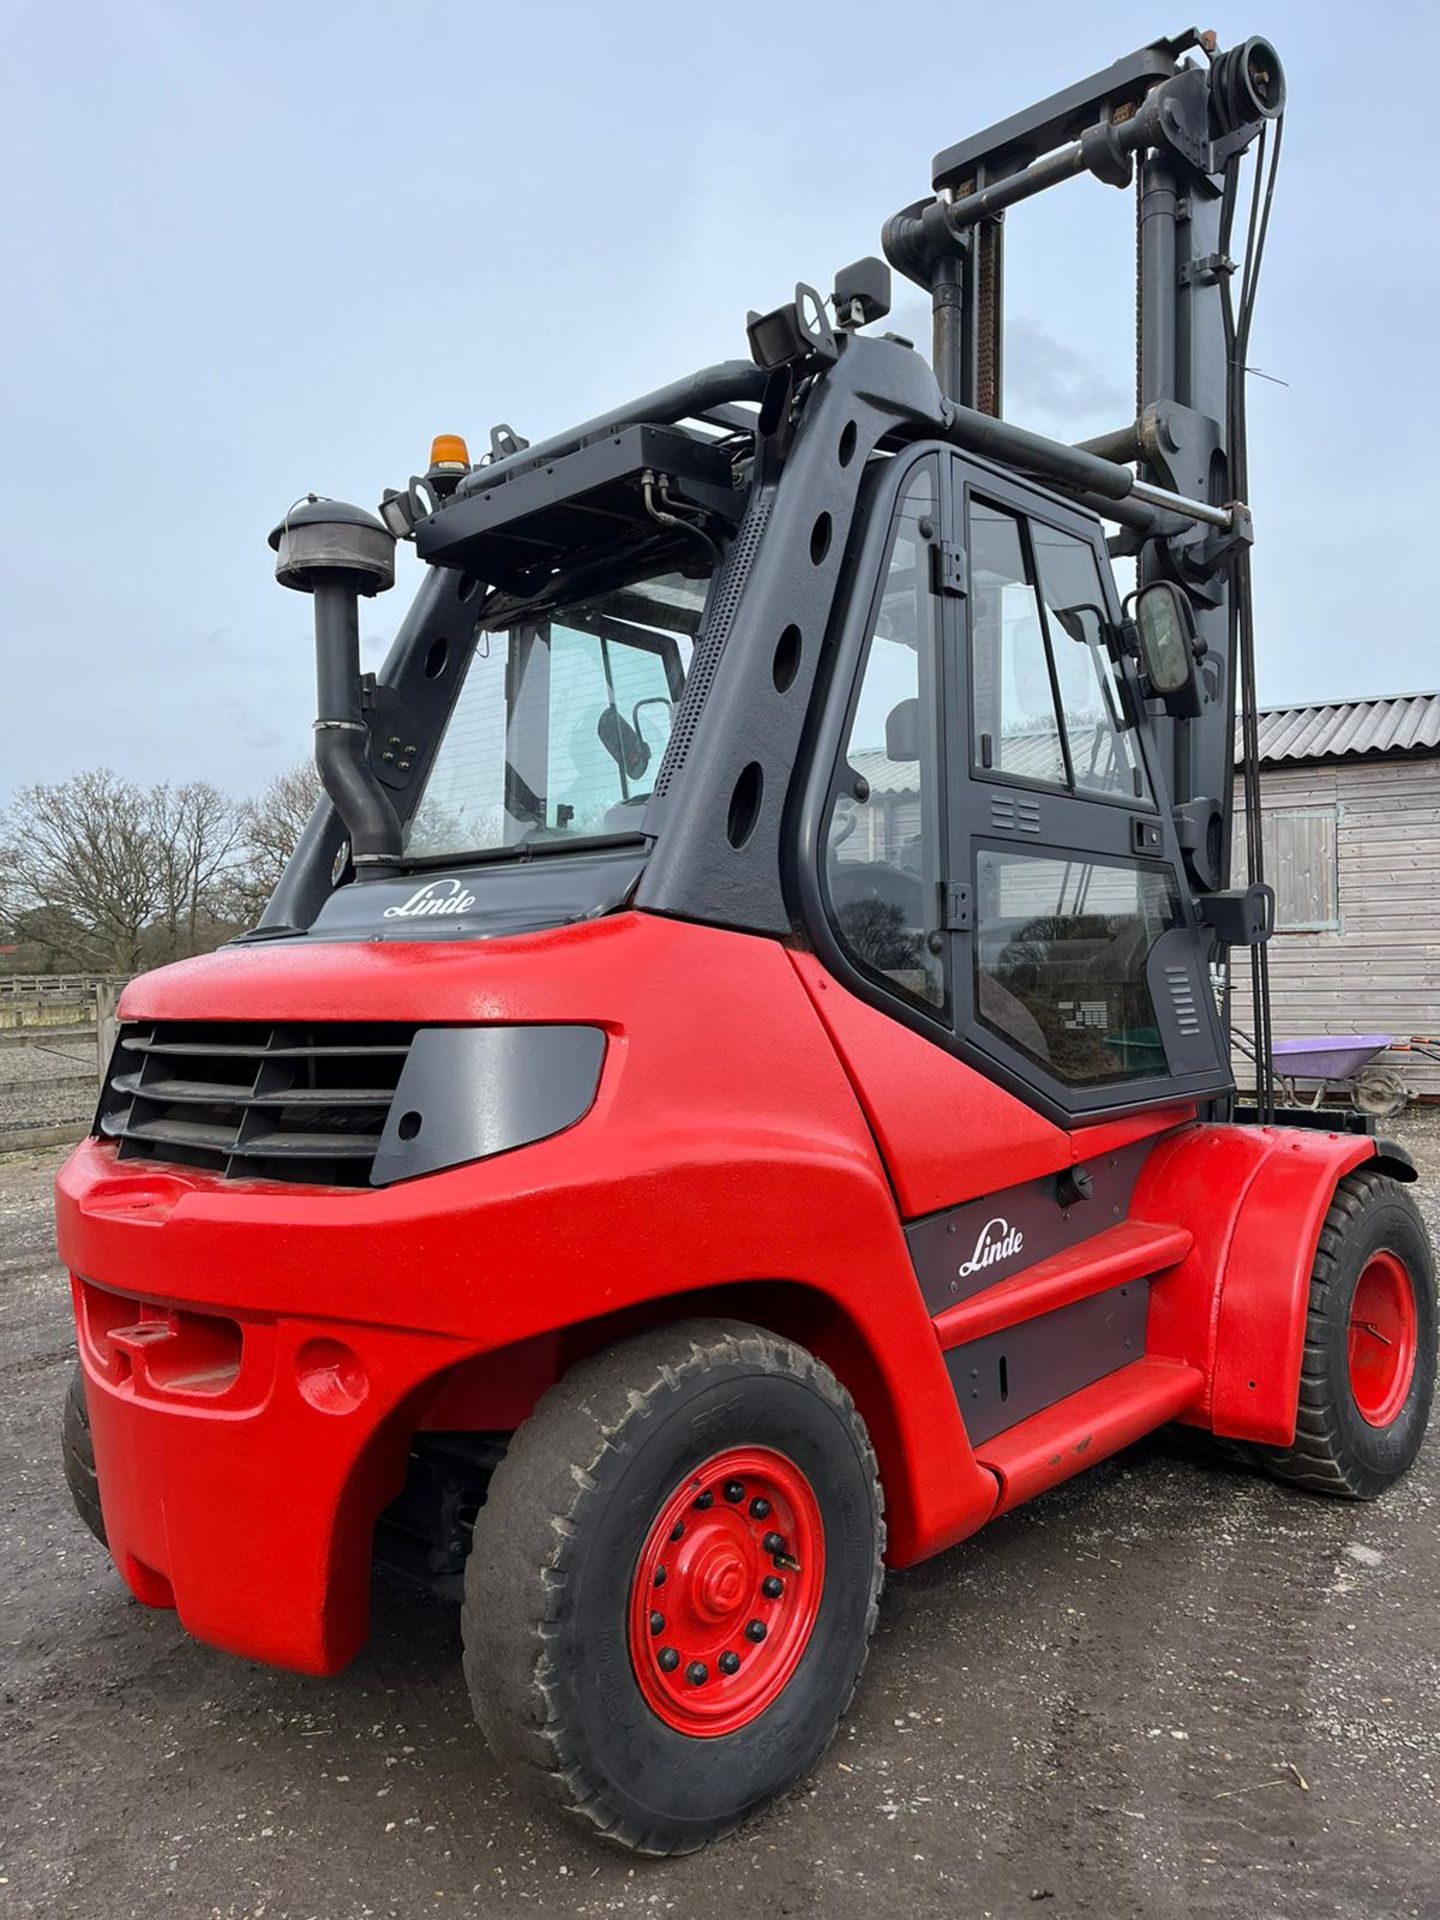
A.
x: 1255, y: 1199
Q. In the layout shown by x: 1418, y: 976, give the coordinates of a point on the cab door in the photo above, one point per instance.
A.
x: 1078, y: 971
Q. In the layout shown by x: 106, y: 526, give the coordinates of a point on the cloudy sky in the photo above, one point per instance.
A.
x: 262, y: 249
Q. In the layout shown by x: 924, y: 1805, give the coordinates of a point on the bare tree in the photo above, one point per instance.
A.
x: 99, y: 873
x: 82, y: 865
x: 270, y: 825
x: 196, y: 830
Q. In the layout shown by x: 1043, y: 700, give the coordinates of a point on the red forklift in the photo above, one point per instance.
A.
x: 733, y: 1090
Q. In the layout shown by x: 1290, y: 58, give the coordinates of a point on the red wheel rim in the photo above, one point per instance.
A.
x: 726, y: 1591
x: 1382, y: 1339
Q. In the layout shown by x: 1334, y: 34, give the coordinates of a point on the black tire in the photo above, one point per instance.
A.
x: 556, y: 1545
x: 77, y: 1451
x: 1336, y: 1449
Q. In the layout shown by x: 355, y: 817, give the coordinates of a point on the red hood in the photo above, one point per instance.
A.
x: 523, y: 976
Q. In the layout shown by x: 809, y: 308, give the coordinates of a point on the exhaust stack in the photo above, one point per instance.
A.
x: 336, y: 552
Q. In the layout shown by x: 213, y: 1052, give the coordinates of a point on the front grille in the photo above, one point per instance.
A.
x: 255, y: 1100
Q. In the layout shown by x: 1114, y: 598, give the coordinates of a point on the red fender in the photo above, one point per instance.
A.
x: 1255, y: 1199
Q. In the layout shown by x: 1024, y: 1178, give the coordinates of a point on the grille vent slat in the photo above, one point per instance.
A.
x: 1010, y: 813
x: 1182, y: 999
x: 254, y: 1100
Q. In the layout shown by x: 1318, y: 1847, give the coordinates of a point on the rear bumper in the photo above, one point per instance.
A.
x: 243, y: 1454
x: 242, y: 1465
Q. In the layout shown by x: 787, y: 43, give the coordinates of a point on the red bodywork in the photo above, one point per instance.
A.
x: 259, y: 1355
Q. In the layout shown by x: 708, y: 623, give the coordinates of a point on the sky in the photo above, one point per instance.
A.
x: 261, y: 250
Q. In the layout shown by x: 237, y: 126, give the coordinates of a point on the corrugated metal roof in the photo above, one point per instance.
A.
x: 1404, y: 723
x: 884, y: 774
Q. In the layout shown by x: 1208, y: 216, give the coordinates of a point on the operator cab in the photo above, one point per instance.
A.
x: 939, y: 773
x: 819, y: 647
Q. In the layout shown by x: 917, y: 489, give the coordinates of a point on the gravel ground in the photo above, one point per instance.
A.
x: 1165, y: 1690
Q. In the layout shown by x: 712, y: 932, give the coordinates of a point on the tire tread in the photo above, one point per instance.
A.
x: 538, y: 1500
x: 1319, y: 1459
x: 77, y: 1456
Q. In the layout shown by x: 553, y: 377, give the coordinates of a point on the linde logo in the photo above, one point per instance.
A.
x: 998, y: 1240
x: 441, y: 896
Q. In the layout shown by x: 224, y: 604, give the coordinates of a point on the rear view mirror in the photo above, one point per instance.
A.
x: 623, y: 744
x: 1165, y: 625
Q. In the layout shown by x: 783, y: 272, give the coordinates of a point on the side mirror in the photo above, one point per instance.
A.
x: 902, y: 731
x: 1165, y: 630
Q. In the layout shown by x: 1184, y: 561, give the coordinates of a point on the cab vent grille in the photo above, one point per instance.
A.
x: 1013, y: 814
x: 1182, y: 999
x: 711, y: 643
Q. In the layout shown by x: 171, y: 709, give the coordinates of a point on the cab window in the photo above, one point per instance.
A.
x: 1016, y: 731
x: 1045, y: 701
x: 1103, y: 755
x: 1061, y: 950
x: 882, y: 846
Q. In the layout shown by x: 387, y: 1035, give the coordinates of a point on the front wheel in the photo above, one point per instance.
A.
x: 673, y: 1582
x: 1368, y: 1374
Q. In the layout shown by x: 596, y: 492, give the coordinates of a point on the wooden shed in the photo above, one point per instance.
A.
x: 1350, y: 794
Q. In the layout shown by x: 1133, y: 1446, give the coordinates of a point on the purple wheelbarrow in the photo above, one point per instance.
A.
x: 1335, y: 1069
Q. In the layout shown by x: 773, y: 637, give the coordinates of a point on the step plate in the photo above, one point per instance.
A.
x: 1006, y: 1377
x: 965, y: 1249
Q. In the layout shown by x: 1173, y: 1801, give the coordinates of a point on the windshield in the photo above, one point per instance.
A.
x: 559, y: 729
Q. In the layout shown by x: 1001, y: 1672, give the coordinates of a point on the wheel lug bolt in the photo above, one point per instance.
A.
x: 678, y: 1530
x: 697, y: 1673
x: 704, y: 1500
x: 669, y: 1659
x: 772, y: 1586
x: 734, y: 1491
x: 659, y: 1576
x: 729, y: 1663
x: 773, y: 1543
x: 759, y: 1509
x: 756, y: 1630
x: 657, y: 1623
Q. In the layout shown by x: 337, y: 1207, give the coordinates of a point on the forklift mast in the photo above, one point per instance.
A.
x: 1176, y: 127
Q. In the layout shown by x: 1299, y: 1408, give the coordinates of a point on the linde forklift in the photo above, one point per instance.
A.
x: 732, y: 1091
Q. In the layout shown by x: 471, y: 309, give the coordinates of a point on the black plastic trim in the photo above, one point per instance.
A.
x: 468, y: 1093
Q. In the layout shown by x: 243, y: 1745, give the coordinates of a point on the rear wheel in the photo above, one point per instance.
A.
x: 77, y: 1452
x: 1368, y: 1374
x: 673, y: 1582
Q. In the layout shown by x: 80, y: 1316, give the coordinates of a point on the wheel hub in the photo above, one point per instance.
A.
x: 726, y: 1591
x: 720, y: 1582
x: 1383, y: 1339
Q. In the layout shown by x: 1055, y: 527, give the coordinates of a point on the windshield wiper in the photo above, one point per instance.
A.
x: 522, y: 851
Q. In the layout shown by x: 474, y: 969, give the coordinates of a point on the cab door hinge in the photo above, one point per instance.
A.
x: 947, y: 568
x: 957, y: 915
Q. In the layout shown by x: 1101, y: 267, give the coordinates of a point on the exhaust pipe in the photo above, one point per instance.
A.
x: 335, y: 552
